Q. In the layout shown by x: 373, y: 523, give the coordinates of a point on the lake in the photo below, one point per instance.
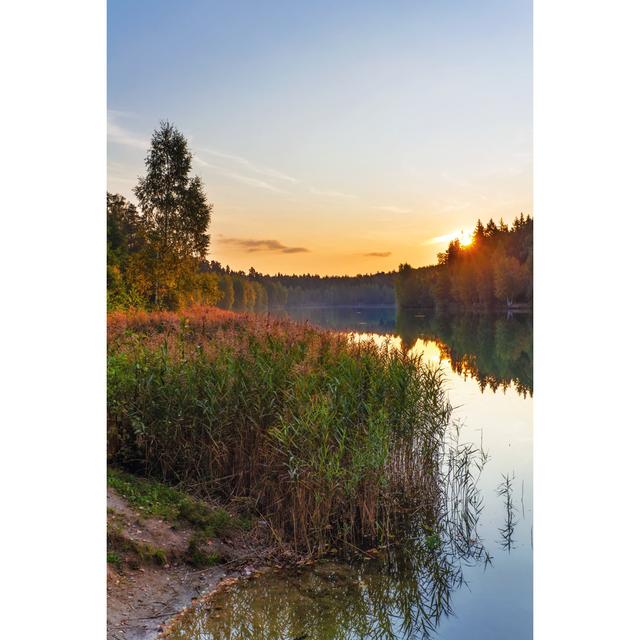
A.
x: 477, y: 583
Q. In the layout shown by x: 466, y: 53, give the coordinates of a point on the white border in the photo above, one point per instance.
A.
x: 586, y: 346
x: 586, y: 193
x: 52, y: 465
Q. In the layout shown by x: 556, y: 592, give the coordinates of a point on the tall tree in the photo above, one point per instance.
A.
x: 174, y: 210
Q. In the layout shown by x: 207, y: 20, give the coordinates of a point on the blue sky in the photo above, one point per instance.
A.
x: 344, y: 128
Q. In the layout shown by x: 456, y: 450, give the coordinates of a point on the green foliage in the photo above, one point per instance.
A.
x: 228, y: 292
x: 114, y: 558
x: 412, y: 287
x: 495, y: 350
x: 157, y: 499
x: 313, y: 290
x: 125, y: 242
x: 199, y: 558
x: 432, y: 541
x: 174, y: 209
x: 142, y: 551
x: 324, y: 435
x: 244, y: 293
x: 511, y: 278
x: 153, y: 499
x: 212, y: 522
x: 255, y: 291
x: 173, y: 212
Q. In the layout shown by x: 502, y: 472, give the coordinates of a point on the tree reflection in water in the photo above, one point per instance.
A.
x: 491, y: 348
x: 494, y: 350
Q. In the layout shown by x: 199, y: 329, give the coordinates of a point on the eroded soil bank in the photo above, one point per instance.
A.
x: 159, y: 565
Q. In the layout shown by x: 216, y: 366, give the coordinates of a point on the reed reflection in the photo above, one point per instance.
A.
x: 505, y: 491
x: 402, y: 591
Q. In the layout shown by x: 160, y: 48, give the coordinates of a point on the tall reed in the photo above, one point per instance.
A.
x: 332, y: 440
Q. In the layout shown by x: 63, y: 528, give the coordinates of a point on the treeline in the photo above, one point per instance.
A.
x: 254, y: 291
x: 130, y: 282
x: 494, y: 269
x: 360, y: 290
x: 240, y: 291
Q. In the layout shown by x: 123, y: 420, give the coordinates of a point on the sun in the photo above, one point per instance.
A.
x: 465, y: 238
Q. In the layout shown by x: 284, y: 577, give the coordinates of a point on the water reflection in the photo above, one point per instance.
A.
x: 403, y: 591
x: 495, y: 350
x: 505, y: 491
x: 401, y: 597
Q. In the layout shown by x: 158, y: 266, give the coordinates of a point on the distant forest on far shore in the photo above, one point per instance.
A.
x: 494, y: 269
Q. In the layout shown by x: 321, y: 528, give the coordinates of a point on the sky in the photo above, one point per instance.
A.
x: 332, y: 137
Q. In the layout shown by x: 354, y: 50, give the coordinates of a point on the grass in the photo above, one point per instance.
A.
x: 143, y: 552
x: 156, y: 499
x: 330, y: 439
x: 195, y: 554
x: 152, y: 499
x: 114, y: 559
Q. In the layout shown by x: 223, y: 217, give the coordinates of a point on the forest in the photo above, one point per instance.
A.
x: 494, y: 269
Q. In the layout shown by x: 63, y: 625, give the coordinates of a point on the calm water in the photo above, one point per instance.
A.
x: 481, y: 589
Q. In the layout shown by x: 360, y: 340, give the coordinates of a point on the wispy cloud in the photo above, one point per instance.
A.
x: 117, y: 134
x: 331, y: 194
x: 253, y: 245
x: 252, y: 182
x: 439, y: 239
x: 239, y: 177
x: 464, y: 235
x: 265, y: 171
x: 392, y: 208
x: 378, y: 254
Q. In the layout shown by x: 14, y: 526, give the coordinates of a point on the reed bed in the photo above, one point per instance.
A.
x: 331, y: 441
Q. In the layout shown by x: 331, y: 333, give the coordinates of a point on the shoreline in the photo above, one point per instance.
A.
x: 155, y: 579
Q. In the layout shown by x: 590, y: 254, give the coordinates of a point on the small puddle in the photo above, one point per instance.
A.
x: 387, y: 598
